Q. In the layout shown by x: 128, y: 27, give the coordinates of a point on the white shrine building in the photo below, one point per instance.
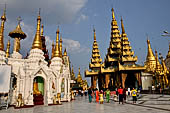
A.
x: 34, y: 79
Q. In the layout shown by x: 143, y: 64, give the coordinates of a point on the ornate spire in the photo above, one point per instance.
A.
x: 37, y: 40
x: 8, y: 49
x: 150, y: 59
x: 95, y: 60
x: 53, y: 49
x: 17, y: 34
x: 42, y: 30
x: 94, y: 33
x: 57, y: 51
x: 150, y: 55
x: 61, y: 47
x: 127, y: 53
x: 168, y: 55
x: 123, y: 29
x: 158, y: 65
x: 79, y: 78
x: 72, y: 74
x: 113, y: 15
x: 114, y: 50
x: 65, y: 52
x: 3, y: 19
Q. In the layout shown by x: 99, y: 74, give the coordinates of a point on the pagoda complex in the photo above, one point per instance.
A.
x: 36, y: 79
x: 119, y: 68
x: 159, y: 72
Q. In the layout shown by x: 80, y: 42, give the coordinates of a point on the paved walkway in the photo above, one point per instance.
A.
x: 146, y: 104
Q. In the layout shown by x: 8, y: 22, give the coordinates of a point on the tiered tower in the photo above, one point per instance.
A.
x: 95, y: 63
x: 114, y: 50
x: 118, y: 68
x: 127, y: 53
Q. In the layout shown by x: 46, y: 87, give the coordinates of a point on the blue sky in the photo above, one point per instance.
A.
x: 76, y: 19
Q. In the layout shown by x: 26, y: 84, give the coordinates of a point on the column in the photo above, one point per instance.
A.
x: 124, y: 75
x: 107, y: 80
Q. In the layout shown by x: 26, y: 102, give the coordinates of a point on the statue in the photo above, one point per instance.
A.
x: 59, y: 98
x: 36, y: 91
x: 20, y: 101
x: 54, y: 99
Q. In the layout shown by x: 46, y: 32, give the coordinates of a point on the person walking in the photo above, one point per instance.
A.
x: 90, y: 95
x: 124, y: 94
x: 107, y: 95
x: 101, y: 97
x: 134, y: 94
x: 120, y: 92
x: 97, y: 95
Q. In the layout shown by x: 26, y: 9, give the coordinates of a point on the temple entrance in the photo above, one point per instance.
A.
x: 38, y: 91
x: 131, y: 81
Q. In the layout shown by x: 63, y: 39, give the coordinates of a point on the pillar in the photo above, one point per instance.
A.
x: 107, y: 80
x: 124, y: 75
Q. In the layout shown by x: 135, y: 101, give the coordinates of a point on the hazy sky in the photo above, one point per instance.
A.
x: 76, y: 19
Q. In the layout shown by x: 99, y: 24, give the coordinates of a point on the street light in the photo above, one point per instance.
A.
x: 166, y: 33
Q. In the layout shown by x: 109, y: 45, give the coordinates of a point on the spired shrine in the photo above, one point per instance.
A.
x: 119, y: 67
x: 35, y: 79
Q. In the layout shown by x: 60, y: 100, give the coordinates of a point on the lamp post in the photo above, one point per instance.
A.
x: 166, y: 33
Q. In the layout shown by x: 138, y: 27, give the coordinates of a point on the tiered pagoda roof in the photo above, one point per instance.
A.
x: 127, y: 53
x: 114, y: 50
x: 95, y: 60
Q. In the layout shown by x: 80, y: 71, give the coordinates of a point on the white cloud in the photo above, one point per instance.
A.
x: 81, y: 17
x: 73, y: 46
x: 53, y: 11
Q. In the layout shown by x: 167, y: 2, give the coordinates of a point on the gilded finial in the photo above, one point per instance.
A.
x: 17, y: 34
x: 53, y: 49
x: 79, y: 70
x: 8, y: 49
x: 61, y: 47
x: 65, y: 52
x: 3, y: 17
x: 94, y: 33
x: 113, y: 15
x: 57, y: 50
x: 37, y: 43
x: 42, y: 30
x: 122, y: 25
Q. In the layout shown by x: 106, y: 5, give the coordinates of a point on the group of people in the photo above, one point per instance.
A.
x: 121, y: 93
x: 98, y: 95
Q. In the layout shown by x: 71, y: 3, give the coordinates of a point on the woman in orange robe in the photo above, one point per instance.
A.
x: 97, y: 95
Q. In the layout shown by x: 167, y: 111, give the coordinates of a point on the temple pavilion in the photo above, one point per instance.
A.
x: 119, y: 67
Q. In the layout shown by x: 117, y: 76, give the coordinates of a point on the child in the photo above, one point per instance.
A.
x: 101, y: 98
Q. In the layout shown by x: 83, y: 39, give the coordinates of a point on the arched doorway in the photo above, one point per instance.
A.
x: 131, y: 81
x: 38, y: 91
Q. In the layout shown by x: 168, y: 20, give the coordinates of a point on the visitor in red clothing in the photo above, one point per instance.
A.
x: 120, y: 92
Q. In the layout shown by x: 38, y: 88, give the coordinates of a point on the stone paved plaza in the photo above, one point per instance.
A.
x: 145, y: 104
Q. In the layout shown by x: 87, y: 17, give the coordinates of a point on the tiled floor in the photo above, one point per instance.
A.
x: 146, y: 104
